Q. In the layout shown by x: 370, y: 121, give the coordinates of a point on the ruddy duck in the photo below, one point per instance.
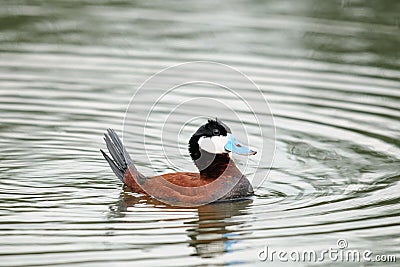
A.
x: 218, y: 178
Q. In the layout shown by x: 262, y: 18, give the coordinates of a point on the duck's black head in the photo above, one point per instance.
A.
x: 213, y: 141
x: 210, y: 137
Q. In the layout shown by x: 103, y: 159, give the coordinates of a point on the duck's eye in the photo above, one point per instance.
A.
x: 216, y: 132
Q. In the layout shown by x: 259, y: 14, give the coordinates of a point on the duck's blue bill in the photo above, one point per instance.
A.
x: 235, y: 146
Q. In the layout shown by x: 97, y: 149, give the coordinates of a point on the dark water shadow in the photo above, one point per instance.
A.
x: 216, y: 229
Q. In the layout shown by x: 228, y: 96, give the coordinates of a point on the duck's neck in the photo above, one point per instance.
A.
x: 215, y: 167
x: 212, y: 166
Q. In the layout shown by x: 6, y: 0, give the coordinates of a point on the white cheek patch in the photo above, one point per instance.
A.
x: 214, y: 144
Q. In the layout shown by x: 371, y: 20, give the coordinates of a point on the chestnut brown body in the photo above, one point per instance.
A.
x: 180, y: 187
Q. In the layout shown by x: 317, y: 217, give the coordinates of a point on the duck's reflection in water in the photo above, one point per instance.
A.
x: 217, y: 227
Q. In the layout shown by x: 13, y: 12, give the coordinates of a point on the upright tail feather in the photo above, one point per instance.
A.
x: 118, y: 162
x: 120, y: 159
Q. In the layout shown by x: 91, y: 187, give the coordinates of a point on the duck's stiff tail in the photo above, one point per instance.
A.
x: 120, y: 161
